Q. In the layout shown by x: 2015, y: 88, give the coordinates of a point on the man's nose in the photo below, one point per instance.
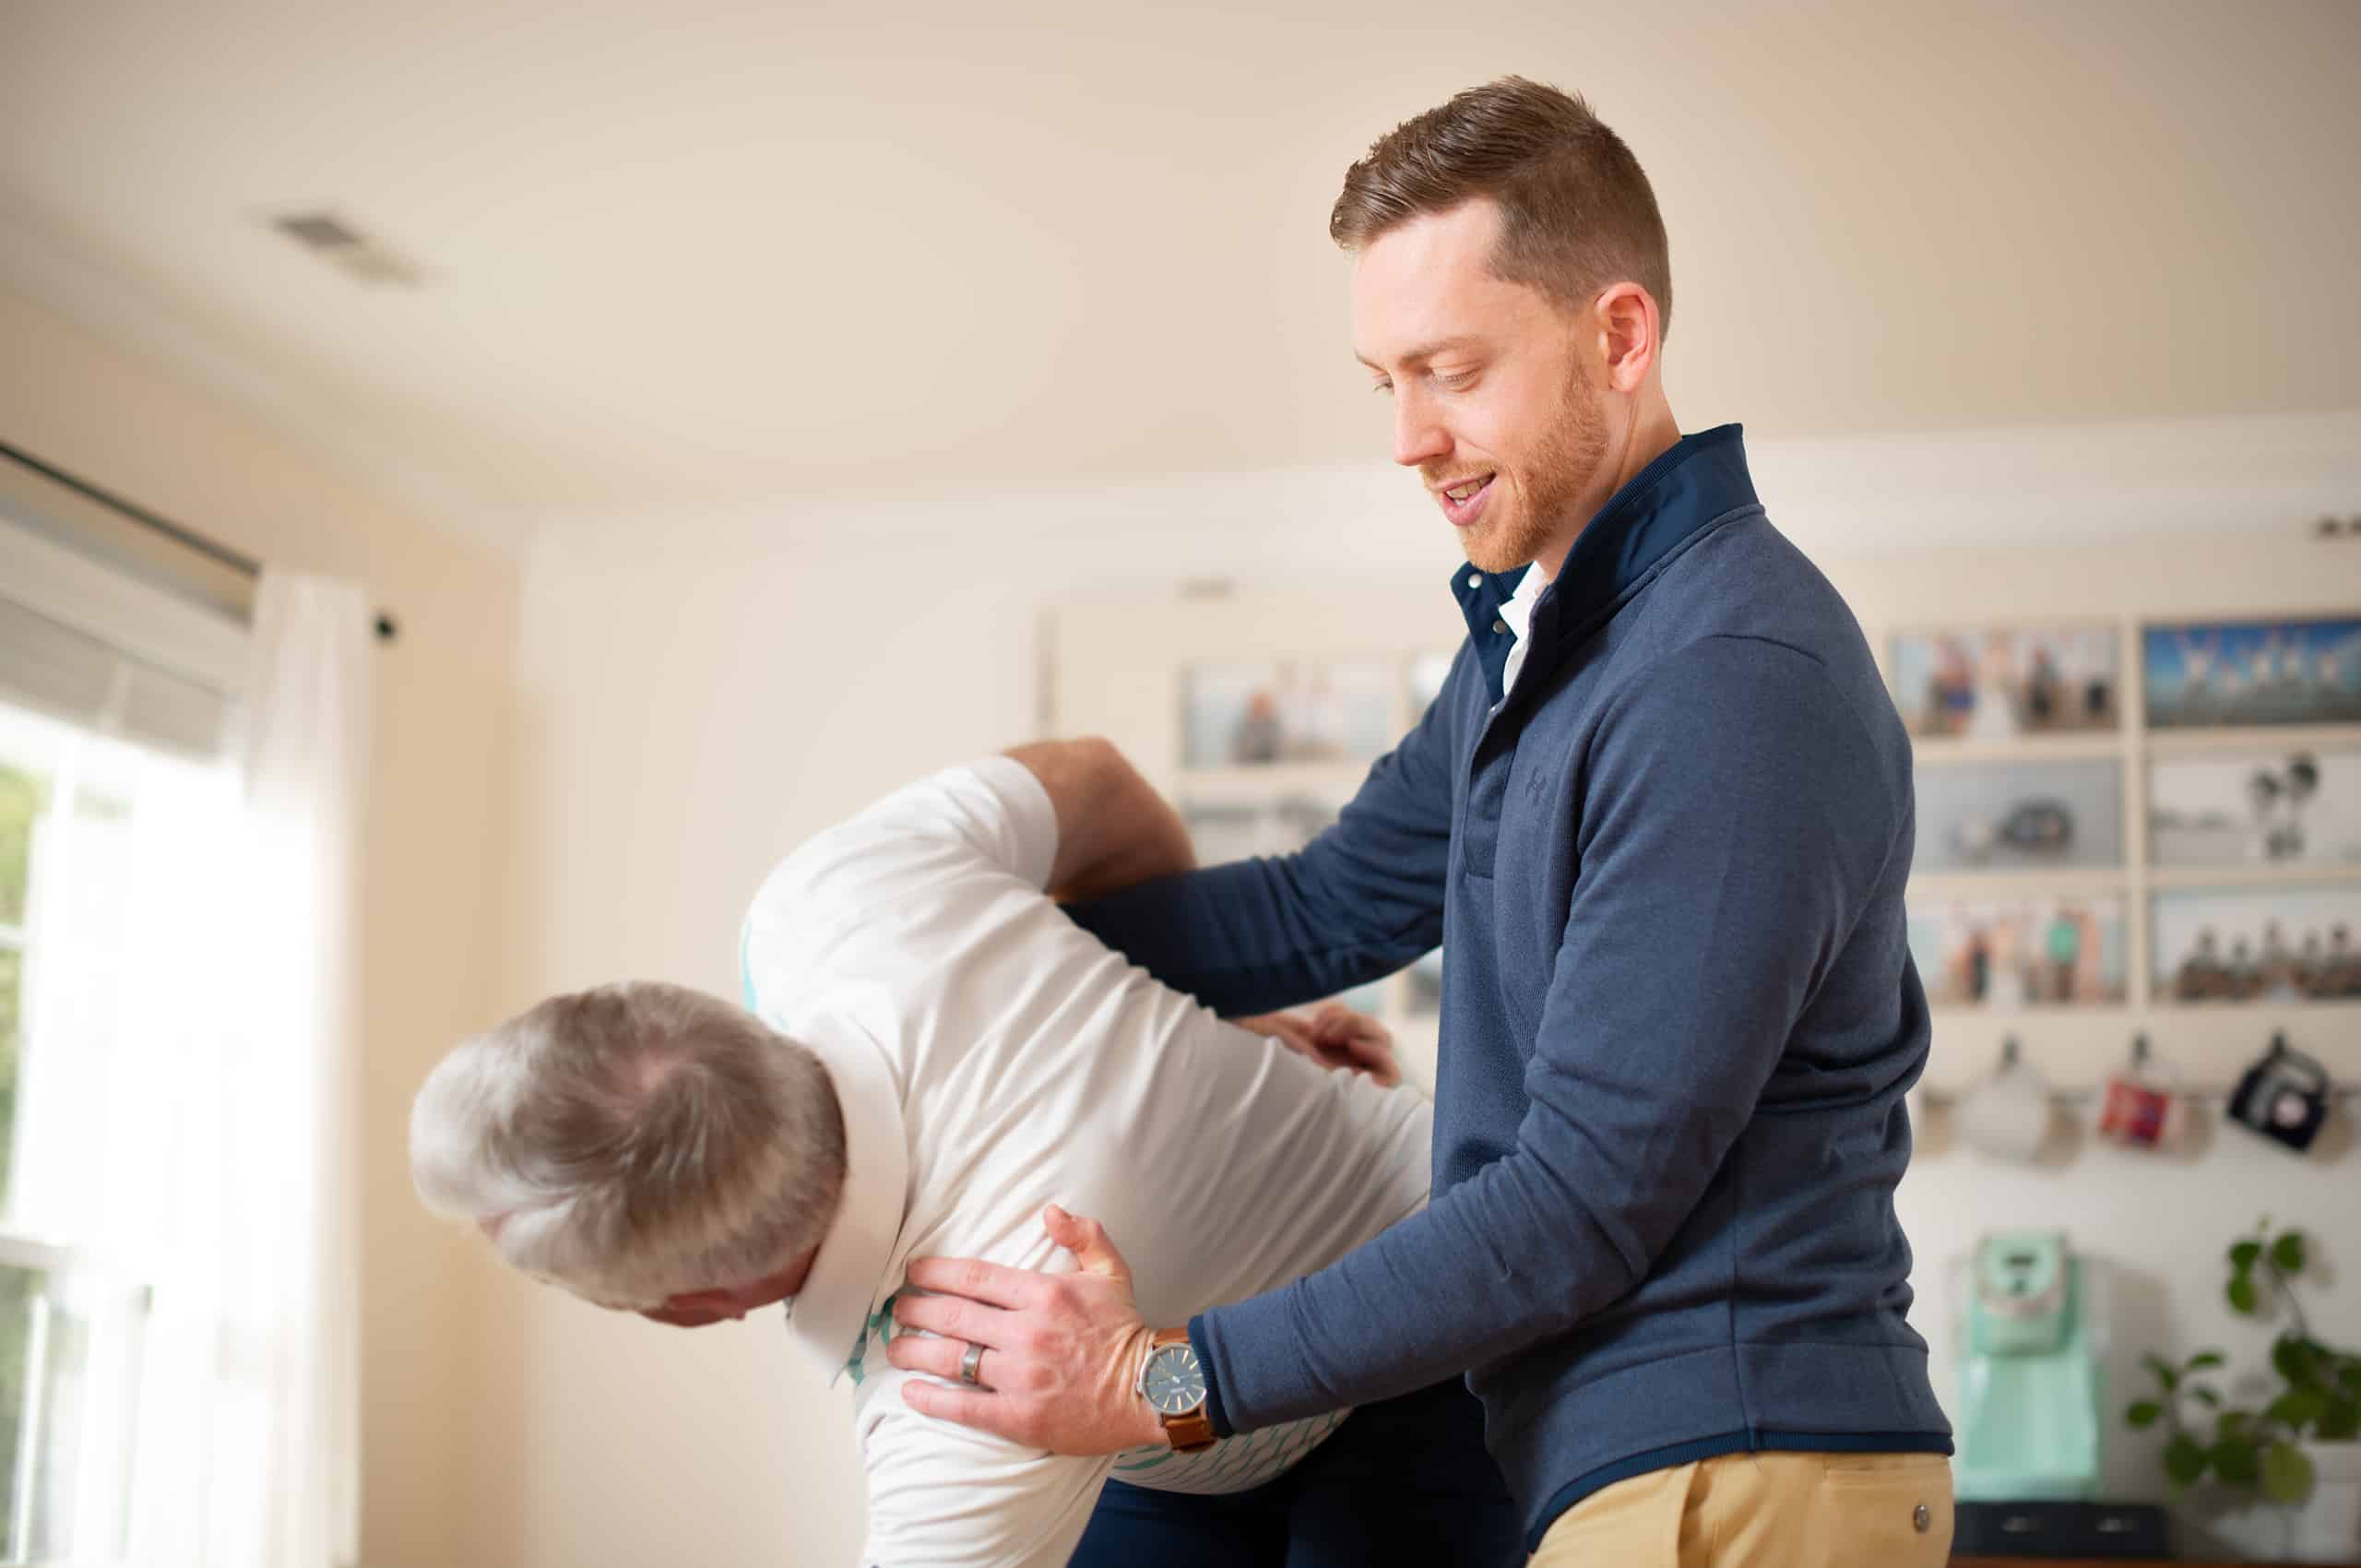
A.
x: 1419, y: 436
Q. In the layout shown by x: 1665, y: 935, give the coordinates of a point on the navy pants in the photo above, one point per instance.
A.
x: 1405, y: 1481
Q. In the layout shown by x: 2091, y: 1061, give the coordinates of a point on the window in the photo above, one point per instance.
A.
x: 83, y: 1208
x: 116, y: 811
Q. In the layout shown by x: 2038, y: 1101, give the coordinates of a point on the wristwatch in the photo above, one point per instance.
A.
x: 1174, y: 1386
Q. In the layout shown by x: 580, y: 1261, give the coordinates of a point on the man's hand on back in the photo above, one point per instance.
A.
x: 1334, y: 1036
x: 1062, y: 1352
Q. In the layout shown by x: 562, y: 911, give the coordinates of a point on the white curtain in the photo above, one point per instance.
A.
x: 197, y: 1131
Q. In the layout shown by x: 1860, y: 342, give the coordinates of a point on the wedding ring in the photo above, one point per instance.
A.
x: 970, y: 1364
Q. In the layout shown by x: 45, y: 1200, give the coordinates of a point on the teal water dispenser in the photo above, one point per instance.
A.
x: 2030, y: 1334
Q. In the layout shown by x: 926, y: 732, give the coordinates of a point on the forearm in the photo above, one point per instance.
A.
x: 1359, y: 901
x: 1114, y: 830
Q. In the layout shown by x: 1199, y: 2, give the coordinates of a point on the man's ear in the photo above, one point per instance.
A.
x: 1628, y: 327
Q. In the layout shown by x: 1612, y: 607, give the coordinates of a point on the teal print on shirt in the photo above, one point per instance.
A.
x: 880, y: 1326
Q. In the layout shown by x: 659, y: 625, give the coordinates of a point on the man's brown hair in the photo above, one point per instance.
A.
x: 1576, y: 209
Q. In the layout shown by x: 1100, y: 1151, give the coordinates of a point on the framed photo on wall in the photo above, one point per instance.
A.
x: 2298, y: 808
x: 2258, y: 944
x: 2003, y: 683
x: 1996, y: 817
x: 1254, y: 715
x: 2243, y: 673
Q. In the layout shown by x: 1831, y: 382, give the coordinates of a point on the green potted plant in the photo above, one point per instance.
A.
x: 2300, y: 1451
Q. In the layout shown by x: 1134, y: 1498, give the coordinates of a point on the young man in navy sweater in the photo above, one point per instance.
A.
x: 1660, y: 819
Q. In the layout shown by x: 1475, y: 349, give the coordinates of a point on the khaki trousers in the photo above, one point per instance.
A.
x: 1764, y: 1511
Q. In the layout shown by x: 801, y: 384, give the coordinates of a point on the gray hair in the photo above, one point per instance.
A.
x: 633, y: 1142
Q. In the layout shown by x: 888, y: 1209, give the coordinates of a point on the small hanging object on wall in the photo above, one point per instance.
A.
x: 2143, y: 1108
x: 2284, y: 1097
x: 2007, y: 1115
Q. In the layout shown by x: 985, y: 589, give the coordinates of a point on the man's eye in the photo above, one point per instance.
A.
x: 1382, y: 388
x: 1455, y: 380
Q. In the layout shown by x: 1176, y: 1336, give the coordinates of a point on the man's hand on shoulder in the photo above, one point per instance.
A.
x: 1334, y: 1036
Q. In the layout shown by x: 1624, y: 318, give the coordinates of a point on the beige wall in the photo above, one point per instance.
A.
x: 433, y: 841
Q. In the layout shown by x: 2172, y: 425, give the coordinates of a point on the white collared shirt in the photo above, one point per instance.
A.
x: 1518, y: 615
x: 992, y: 1058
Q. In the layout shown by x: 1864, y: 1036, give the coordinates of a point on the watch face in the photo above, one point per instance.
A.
x: 1174, y: 1383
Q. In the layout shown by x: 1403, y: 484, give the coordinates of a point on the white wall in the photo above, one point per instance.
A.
x: 431, y: 846
x: 697, y: 693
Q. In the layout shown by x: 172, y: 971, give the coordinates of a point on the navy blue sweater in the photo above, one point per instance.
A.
x: 1679, y: 1016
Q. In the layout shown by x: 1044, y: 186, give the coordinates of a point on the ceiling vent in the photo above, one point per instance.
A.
x: 334, y: 241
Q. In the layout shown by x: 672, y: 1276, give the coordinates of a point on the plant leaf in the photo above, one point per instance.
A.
x: 2185, y: 1458
x: 2287, y: 1252
x: 2143, y: 1413
x: 2232, y: 1422
x: 2165, y: 1372
x: 2243, y: 1253
x: 2206, y: 1397
x: 2341, y: 1422
x: 2298, y: 1408
x: 2241, y: 1291
x: 2204, y: 1360
x: 2293, y: 1359
x: 2238, y: 1460
x: 2349, y: 1375
x: 2287, y: 1474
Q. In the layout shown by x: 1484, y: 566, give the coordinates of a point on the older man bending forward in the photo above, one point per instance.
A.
x: 932, y: 1058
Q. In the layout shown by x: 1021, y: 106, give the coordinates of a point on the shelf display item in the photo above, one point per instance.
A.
x: 1998, y: 816
x: 2000, y: 683
x: 2298, y: 808
x: 2243, y: 673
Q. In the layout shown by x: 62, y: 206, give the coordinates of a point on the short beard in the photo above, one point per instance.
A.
x: 1563, y: 467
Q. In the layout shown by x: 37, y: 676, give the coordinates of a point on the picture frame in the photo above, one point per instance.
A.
x: 2242, y: 673
x: 2245, y: 944
x: 2018, y: 815
x: 2002, y: 682
x: 2296, y: 808
x: 2009, y: 953
x: 1292, y: 711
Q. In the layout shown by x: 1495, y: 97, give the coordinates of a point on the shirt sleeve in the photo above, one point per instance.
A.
x: 965, y: 830
x: 944, y: 1496
x: 1736, y: 820
x: 1362, y: 900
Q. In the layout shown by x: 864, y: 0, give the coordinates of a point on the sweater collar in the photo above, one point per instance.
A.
x: 1693, y: 482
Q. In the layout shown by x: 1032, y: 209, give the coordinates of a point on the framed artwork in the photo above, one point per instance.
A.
x: 2240, y: 672
x: 1996, y: 817
x: 2003, y: 683
x: 2011, y: 953
x: 2260, y: 808
x: 1251, y: 715
x: 2258, y: 944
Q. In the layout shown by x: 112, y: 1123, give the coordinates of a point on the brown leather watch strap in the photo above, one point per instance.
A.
x: 1192, y: 1433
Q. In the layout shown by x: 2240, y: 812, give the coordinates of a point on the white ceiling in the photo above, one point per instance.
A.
x: 698, y: 253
